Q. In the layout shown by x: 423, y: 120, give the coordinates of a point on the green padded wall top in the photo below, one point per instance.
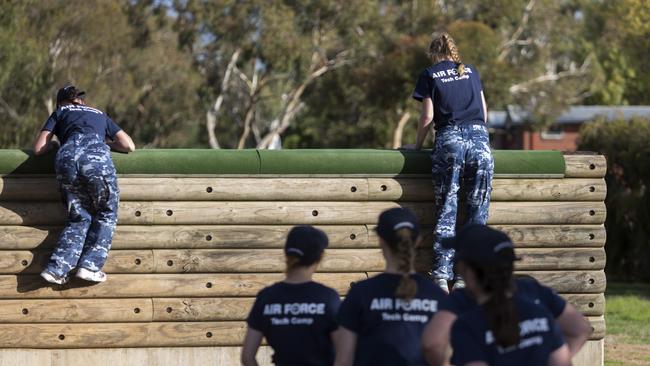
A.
x: 299, y: 162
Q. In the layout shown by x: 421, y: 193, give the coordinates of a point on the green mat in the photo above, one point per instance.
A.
x: 304, y: 162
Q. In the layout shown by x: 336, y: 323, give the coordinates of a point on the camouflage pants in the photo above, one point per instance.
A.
x: 461, y: 156
x: 86, y: 176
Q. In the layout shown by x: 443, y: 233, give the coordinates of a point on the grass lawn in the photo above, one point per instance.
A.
x: 628, y: 324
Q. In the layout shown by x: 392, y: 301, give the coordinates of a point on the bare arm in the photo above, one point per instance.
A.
x: 122, y: 143
x: 435, y: 338
x: 44, y: 143
x: 346, y: 344
x: 252, y: 342
x: 426, y: 117
x: 560, y: 357
x: 484, y: 107
x: 575, y: 327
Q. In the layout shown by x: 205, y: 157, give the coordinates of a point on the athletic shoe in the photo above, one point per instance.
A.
x: 88, y: 275
x: 52, y: 278
x: 459, y: 283
x: 442, y: 283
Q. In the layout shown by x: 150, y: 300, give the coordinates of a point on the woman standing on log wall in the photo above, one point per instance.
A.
x: 88, y: 184
x: 452, y: 97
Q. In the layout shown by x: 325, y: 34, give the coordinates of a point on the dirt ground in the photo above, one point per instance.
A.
x: 619, y: 352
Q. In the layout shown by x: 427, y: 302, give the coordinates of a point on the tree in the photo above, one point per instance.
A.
x: 132, y: 70
x: 625, y: 144
x: 288, y: 45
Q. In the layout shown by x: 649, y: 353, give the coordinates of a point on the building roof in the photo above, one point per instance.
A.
x: 515, y: 115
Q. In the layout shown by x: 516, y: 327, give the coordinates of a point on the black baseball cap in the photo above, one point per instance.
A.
x: 394, y: 219
x: 69, y: 92
x: 481, y: 244
x: 307, y: 243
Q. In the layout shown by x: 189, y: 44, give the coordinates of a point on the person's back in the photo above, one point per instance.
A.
x: 456, y: 98
x: 297, y: 320
x: 473, y: 340
x: 382, y: 318
x: 297, y: 315
x: 389, y: 328
x: 88, y: 184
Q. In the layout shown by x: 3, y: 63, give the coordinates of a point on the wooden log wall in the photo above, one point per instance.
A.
x: 190, y: 253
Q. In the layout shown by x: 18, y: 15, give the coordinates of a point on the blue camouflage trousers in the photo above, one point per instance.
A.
x: 461, y: 156
x: 88, y: 185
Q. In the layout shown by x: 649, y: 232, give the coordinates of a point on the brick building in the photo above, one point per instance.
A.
x: 511, y: 129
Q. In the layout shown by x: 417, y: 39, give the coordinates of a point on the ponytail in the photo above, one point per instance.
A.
x: 292, y: 263
x: 500, y: 308
x: 443, y: 46
x: 405, y: 253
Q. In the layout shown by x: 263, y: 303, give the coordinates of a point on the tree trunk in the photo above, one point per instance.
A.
x: 399, y: 130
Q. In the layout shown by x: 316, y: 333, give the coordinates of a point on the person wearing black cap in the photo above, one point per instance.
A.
x: 297, y: 315
x: 382, y: 318
x: 469, y: 242
x: 498, y: 310
x: 88, y: 185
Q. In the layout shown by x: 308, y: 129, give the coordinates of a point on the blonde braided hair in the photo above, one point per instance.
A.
x: 405, y: 251
x: 443, y: 46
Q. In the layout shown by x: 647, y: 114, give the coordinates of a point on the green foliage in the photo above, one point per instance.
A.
x: 625, y: 144
x: 159, y: 67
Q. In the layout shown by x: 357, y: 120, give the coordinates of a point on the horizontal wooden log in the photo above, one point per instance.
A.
x: 315, y: 213
x: 597, y: 326
x: 591, y: 282
x: 560, y: 259
x: 273, y: 260
x: 555, y: 235
x: 188, y: 237
x: 202, y: 189
x: 533, y: 236
x: 585, y: 166
x: 119, y: 261
x: 404, y: 189
x: 306, y: 189
x: 160, y: 285
x: 76, y: 310
x: 201, y: 309
x: 172, y: 309
x: 158, y: 356
x: 108, y: 335
x: 588, y: 304
x: 273, y: 236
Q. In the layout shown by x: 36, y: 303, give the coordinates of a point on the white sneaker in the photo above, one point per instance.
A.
x: 442, y: 283
x: 88, y: 275
x: 51, y: 278
x: 459, y: 283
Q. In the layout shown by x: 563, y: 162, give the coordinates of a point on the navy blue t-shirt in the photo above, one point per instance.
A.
x: 460, y: 301
x: 297, y: 320
x: 76, y: 118
x: 388, y: 328
x: 456, y: 99
x: 472, y: 340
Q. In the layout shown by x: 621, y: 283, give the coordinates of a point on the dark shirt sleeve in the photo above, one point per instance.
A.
x: 349, y: 314
x: 423, y: 87
x: 255, y: 318
x: 457, y: 302
x: 50, y: 123
x: 551, y: 300
x: 466, y: 345
x: 111, y: 128
x: 333, y: 306
x: 557, y: 339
